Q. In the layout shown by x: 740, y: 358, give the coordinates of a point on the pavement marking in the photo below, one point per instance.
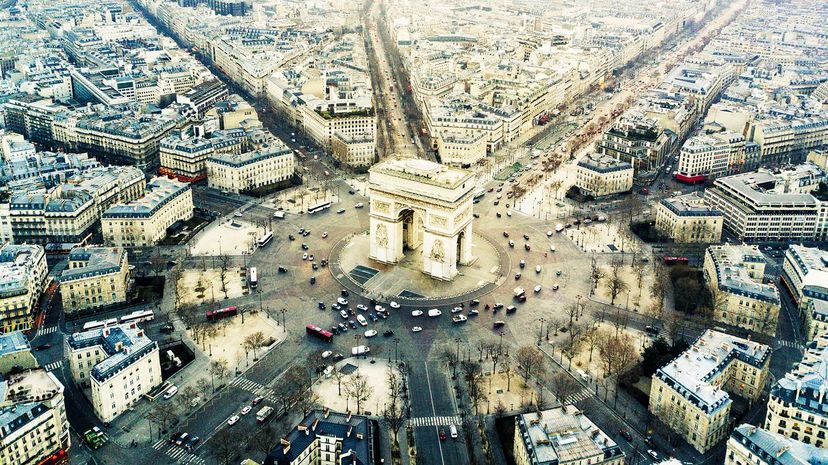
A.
x: 46, y: 330
x: 54, y: 365
x: 790, y: 344
x: 159, y: 444
x: 584, y: 393
x: 433, y: 410
x: 435, y: 421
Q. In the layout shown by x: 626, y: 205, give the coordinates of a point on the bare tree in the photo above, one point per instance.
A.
x: 357, y: 388
x: 202, y: 385
x: 473, y: 374
x: 572, y: 312
x: 528, y: 360
x: 616, y: 284
x: 592, y: 337
x: 507, y: 371
x: 596, y: 275
x: 186, y: 396
x: 339, y: 376
x: 218, y: 369
x: 392, y: 413
x: 224, y: 447
x: 224, y: 266
x: 164, y: 414
x: 563, y: 386
x: 254, y: 341
x: 617, y: 351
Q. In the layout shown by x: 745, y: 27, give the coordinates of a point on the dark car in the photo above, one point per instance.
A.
x: 344, y: 293
x: 305, y: 247
x: 511, y: 309
x: 505, y: 234
x: 651, y: 329
x: 374, y: 317
x: 343, y: 327
x: 335, y: 330
x: 498, y: 324
x: 190, y: 445
x: 498, y: 306
x: 352, y: 323
x: 474, y: 302
x: 351, y: 192
x: 282, y: 269
x: 314, y: 266
x: 388, y: 333
x: 526, y: 236
x: 174, y: 437
x: 166, y: 329
x: 626, y: 435
x: 338, y: 357
x: 290, y: 237
x: 321, y: 305
x: 527, y: 247
x: 313, y: 280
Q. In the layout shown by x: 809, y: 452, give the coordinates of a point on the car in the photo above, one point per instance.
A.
x: 338, y: 357
x: 527, y: 247
x: 335, y: 330
x: 344, y: 293
x: 416, y: 329
x: 306, y: 233
x: 359, y: 205
x: 537, y: 269
x: 442, y: 435
x: 626, y: 435
x: 394, y: 304
x: 321, y: 305
x: 327, y: 354
x: 352, y: 323
x: 517, y: 276
x: 434, y: 313
x: 505, y: 234
x: 166, y: 329
x: 362, y: 308
x: 526, y: 237
x: 459, y: 318
x: 191, y: 443
x: 171, y: 391
x: 388, y: 333
x: 304, y: 256
x: 498, y: 306
x: 340, y: 211
x: 551, y: 248
x: 238, y: 214
x: 523, y: 263
x: 181, y: 439
x: 473, y: 312
x: 416, y: 313
x: 652, y: 453
x: 343, y: 327
x: 43, y: 346
x: 373, y: 316
x: 456, y: 309
x: 508, y: 213
x: 557, y: 272
x: 233, y: 420
x: 549, y: 233
x: 246, y: 409
x: 474, y: 303
x: 302, y: 231
x: 555, y: 287
x: 498, y: 324
x: 651, y: 330
x: 258, y: 400
x: 336, y: 306
x: 371, y: 333
x: 350, y: 191
x: 342, y: 301
x: 383, y: 315
x: 343, y: 314
x: 512, y: 244
x: 282, y: 269
x: 305, y: 247
x: 361, y: 320
x: 314, y: 266
x: 324, y: 234
x: 511, y: 309
x: 310, y: 257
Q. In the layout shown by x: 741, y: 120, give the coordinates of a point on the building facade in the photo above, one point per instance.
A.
x: 749, y: 445
x: 326, y: 438
x: 22, y: 279
x: 119, y: 363
x: 602, y: 175
x: 805, y: 277
x: 94, y: 277
x: 266, y: 167
x: 689, y: 394
x: 688, y: 219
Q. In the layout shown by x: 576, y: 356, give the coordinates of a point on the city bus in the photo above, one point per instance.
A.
x: 319, y: 333
x: 138, y: 316
x: 264, y: 240
x: 319, y: 207
x: 253, y: 277
x: 675, y: 260
x: 213, y: 315
x: 99, y: 324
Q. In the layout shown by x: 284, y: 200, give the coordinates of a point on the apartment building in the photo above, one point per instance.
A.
x: 33, y: 424
x: 711, y: 156
x: 688, y: 219
x: 690, y: 394
x: 461, y: 148
x: 735, y: 275
x: 143, y: 222
x: 750, y: 445
x: 256, y: 170
x: 635, y: 139
x: 94, y: 277
x: 563, y: 436
x: 119, y: 363
x: 16, y: 352
x: 603, y: 175
x: 805, y: 277
x: 797, y: 402
x: 201, y: 97
x: 772, y: 204
x: 22, y: 279
x: 785, y: 140
x: 326, y: 437
x: 702, y: 80
x: 357, y: 151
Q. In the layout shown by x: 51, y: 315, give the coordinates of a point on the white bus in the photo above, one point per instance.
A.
x: 138, y: 316
x: 253, y: 277
x: 99, y: 324
x: 319, y: 207
x: 264, y: 240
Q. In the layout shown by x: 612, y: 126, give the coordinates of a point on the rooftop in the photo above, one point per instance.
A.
x: 691, y: 204
x: 813, y: 263
x: 805, y: 384
x: 771, y: 188
x: 93, y: 261
x: 777, y: 449
x: 733, y: 275
x: 352, y: 432
x: 691, y: 374
x: 159, y: 192
x: 12, y: 342
x: 125, y: 344
x: 17, y: 263
x: 603, y: 163
x: 424, y: 171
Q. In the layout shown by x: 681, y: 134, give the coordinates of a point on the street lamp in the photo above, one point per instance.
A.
x: 284, y: 327
x: 357, y: 337
x: 540, y: 330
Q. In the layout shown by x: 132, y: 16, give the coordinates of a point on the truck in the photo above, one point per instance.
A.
x: 264, y: 413
x: 519, y: 291
x: 94, y: 437
x: 279, y: 215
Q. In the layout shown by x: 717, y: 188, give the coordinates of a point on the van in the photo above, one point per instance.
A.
x: 360, y: 350
x: 453, y: 431
x: 582, y: 375
x: 173, y: 390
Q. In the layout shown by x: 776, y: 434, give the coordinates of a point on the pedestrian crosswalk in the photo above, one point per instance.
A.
x: 54, y: 365
x: 253, y: 388
x: 435, y: 421
x: 789, y: 344
x: 46, y: 330
x: 177, y: 453
x: 584, y: 393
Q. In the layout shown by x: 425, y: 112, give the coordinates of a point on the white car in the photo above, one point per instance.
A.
x: 246, y: 410
x: 371, y: 333
x: 394, y: 304
x: 551, y: 248
x: 537, y: 288
x: 324, y: 234
x: 508, y: 212
x: 538, y: 269
x: 434, y: 313
x: 555, y: 287
x: 416, y: 313
x: 343, y: 314
x: 233, y: 420
x: 327, y: 354
x: 379, y: 308
x: 416, y: 329
x: 456, y: 309
x: 304, y: 256
x: 361, y: 320
x: 549, y: 233
x: 362, y: 308
x: 359, y: 205
x: 342, y: 301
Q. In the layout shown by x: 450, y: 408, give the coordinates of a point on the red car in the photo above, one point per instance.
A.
x: 442, y: 435
x: 257, y: 400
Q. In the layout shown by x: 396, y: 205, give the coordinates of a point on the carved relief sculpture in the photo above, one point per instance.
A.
x: 438, y: 251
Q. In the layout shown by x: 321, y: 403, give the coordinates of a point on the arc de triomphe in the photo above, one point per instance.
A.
x: 425, y: 207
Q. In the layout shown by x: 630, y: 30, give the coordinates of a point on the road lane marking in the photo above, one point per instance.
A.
x: 434, y: 412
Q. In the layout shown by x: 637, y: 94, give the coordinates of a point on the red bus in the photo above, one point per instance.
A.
x: 676, y: 260
x: 319, y: 333
x: 213, y: 315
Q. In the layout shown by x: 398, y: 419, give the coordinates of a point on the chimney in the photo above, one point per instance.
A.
x: 348, y: 434
x: 105, y: 331
x: 301, y: 427
x: 315, y: 422
x: 285, y: 445
x: 327, y: 412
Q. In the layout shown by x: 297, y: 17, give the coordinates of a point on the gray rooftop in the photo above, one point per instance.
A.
x: 125, y: 344
x: 93, y: 261
x: 776, y: 449
x: 732, y: 275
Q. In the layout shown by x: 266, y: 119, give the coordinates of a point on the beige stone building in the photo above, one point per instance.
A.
x: 22, y: 279
x: 749, y: 445
x: 355, y: 150
x: 270, y: 165
x: 602, y: 175
x: 119, y: 363
x: 690, y: 394
x: 688, y: 218
x: 16, y: 352
x: 805, y: 277
x: 797, y: 405
x: 33, y: 423
x: 144, y: 222
x: 94, y: 277
x: 461, y: 148
x: 563, y: 436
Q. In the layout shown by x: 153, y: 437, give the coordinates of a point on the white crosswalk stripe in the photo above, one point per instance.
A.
x: 435, y: 421
x: 46, y: 330
x: 177, y: 453
x: 247, y: 385
x: 159, y: 444
x: 584, y: 393
x: 790, y: 344
x: 54, y: 365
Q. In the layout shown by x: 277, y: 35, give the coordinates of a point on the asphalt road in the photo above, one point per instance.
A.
x: 433, y: 402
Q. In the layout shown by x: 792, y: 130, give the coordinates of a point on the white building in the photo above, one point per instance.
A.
x: 750, y: 445
x: 267, y: 167
x: 805, y: 276
x: 94, y: 277
x: 119, y: 363
x: 602, y: 175
x: 711, y: 156
x: 688, y: 218
x: 22, y: 279
x: 144, y: 222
